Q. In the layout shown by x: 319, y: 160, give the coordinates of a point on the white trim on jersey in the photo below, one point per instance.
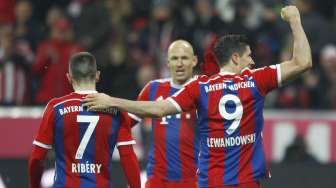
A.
x: 86, y: 92
x: 67, y: 101
x: 210, y: 79
x: 45, y: 146
x: 177, y: 106
x: 162, y: 80
x: 278, y: 67
x: 124, y: 143
x: 135, y: 117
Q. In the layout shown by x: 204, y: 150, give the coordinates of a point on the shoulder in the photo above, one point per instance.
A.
x: 260, y: 71
x: 204, y: 79
x: 60, y: 100
x: 158, y: 82
x: 199, y: 78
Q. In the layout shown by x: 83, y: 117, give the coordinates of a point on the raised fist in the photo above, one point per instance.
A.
x: 289, y: 13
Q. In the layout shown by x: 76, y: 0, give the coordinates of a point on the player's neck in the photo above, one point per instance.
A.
x: 229, y: 69
x: 178, y: 84
x: 84, y: 87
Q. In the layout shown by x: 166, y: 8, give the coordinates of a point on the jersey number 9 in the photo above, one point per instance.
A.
x: 235, y: 115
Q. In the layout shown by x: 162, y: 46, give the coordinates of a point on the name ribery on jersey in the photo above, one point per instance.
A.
x: 232, y: 87
x: 231, y: 141
x: 87, y: 167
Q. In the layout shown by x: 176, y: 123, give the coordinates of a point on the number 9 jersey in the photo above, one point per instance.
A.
x: 230, y: 116
x: 84, y: 141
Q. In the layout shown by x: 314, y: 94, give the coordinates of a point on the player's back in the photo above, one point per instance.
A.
x: 84, y: 142
x: 174, y: 145
x: 230, y: 116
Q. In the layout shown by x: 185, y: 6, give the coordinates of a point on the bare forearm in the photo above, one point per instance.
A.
x: 301, y: 49
x: 142, y: 108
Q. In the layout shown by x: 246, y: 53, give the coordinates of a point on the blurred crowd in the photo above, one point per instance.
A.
x: 130, y: 39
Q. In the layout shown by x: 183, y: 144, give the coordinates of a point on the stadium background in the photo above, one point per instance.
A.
x: 130, y: 40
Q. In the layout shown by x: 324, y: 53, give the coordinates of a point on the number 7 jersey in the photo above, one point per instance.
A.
x: 83, y: 141
x: 230, y: 114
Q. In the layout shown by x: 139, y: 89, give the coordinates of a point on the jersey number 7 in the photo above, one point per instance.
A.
x: 93, y: 121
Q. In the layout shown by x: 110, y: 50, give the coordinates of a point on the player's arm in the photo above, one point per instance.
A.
x: 141, y: 108
x: 130, y: 165
x: 301, y: 59
x: 128, y: 159
x: 35, y: 166
x: 42, y: 143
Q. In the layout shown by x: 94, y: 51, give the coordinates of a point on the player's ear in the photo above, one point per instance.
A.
x: 169, y: 64
x: 69, y: 78
x: 235, y: 58
x: 195, y: 60
x: 97, y: 76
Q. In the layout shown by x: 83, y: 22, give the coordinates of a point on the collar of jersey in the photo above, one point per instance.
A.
x: 86, y: 92
x: 177, y: 86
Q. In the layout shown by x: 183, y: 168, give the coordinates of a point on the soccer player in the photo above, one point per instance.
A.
x: 173, y: 153
x: 229, y: 106
x: 84, y: 141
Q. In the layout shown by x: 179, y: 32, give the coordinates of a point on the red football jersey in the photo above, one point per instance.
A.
x: 83, y: 140
x: 174, y: 144
x: 230, y: 115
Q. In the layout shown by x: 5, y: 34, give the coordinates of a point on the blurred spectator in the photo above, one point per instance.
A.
x: 328, y: 81
x: 116, y: 24
x: 142, y: 30
x: 119, y: 11
x: 318, y: 30
x: 13, y: 71
x: 269, y: 37
x: 206, y: 25
x: 51, y: 62
x: 297, y: 152
x: 43, y: 7
x: 92, y: 26
x: 145, y: 74
x: 160, y: 32
x: 118, y: 78
x: 54, y: 13
x: 7, y: 15
x: 239, y: 24
x: 302, y: 93
x: 27, y: 31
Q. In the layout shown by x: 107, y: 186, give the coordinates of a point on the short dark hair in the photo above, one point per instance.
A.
x: 83, y: 67
x: 229, y: 44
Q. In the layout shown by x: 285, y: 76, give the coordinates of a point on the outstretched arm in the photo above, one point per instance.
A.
x: 141, y: 108
x: 301, y: 59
